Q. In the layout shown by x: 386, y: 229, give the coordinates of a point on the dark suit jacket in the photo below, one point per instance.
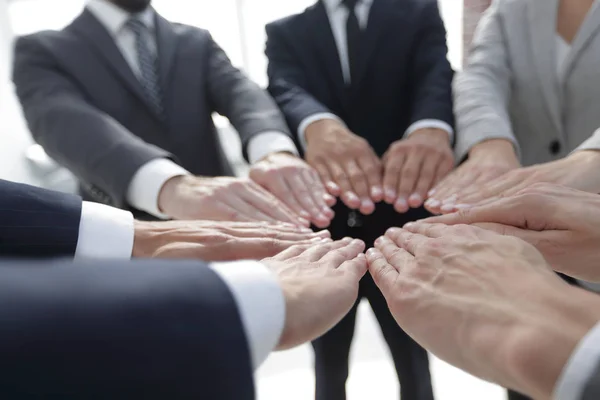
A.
x: 86, y: 107
x: 36, y: 222
x: 404, y: 77
x: 120, y: 330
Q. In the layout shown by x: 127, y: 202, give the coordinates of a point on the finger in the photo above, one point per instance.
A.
x: 327, y: 179
x: 356, y: 267
x: 268, y: 204
x: 238, y: 210
x: 299, y: 189
x: 360, y: 186
x: 486, y: 191
x: 419, y: 228
x: 391, y: 176
x: 314, y: 198
x: 444, y: 168
x: 317, y: 252
x: 384, y: 274
x: 408, y: 179
x: 259, y: 248
x: 409, y: 241
x: 454, y: 183
x: 252, y: 227
x: 394, y: 254
x: 297, y: 250
x: 424, y: 181
x: 347, y: 191
x: 287, y: 193
x: 372, y: 168
x: 348, y: 252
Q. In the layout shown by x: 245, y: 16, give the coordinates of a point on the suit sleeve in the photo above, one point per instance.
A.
x: 102, y: 153
x: 482, y: 89
x: 432, y: 90
x: 37, y: 222
x: 287, y: 83
x: 249, y: 108
x: 120, y: 330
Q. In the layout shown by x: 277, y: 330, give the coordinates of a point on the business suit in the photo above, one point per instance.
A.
x: 120, y: 330
x: 511, y: 89
x: 592, y: 387
x: 89, y: 110
x: 387, y: 95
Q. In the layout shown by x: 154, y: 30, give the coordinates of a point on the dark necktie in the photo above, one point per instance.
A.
x: 353, y: 34
x: 148, y: 63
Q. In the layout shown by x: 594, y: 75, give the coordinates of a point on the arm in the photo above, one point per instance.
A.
x: 288, y: 86
x: 432, y: 93
x: 482, y: 89
x: 142, y: 330
x: 249, y: 108
x: 72, y: 131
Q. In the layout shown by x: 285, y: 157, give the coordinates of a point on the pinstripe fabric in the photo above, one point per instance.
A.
x: 148, y: 63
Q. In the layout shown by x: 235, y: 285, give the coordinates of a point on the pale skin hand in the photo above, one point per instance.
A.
x: 320, y: 286
x: 346, y: 163
x: 579, y: 171
x: 414, y: 165
x: 223, y: 199
x: 218, y: 241
x: 296, y: 184
x: 487, y: 160
x: 557, y: 220
x: 486, y: 303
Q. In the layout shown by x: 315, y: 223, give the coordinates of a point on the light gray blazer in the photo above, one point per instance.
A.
x: 510, y: 86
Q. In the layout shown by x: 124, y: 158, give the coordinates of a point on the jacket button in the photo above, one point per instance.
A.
x: 555, y: 147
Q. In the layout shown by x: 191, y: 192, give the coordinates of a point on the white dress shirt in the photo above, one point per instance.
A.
x: 338, y: 16
x: 146, y: 184
x: 107, y: 232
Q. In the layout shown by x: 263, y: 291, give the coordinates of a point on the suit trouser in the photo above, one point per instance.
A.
x: 332, y: 350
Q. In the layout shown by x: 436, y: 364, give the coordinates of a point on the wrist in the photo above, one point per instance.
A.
x: 542, y: 347
x: 435, y: 134
x: 586, y: 163
x: 169, y: 193
x: 502, y: 148
x: 145, y: 239
x: 317, y: 128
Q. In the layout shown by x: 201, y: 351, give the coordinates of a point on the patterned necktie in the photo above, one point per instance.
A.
x: 148, y: 64
x: 353, y: 35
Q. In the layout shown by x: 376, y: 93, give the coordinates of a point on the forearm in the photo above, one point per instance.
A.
x: 583, y: 166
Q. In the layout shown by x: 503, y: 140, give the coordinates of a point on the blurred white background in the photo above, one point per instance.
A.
x: 238, y: 26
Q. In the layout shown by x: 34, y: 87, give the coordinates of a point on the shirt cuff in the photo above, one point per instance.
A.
x: 430, y: 124
x: 104, y: 232
x: 147, y: 182
x: 580, y: 367
x: 260, y: 302
x: 269, y: 142
x: 309, y: 120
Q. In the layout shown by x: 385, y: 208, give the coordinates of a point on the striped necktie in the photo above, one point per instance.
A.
x: 148, y: 64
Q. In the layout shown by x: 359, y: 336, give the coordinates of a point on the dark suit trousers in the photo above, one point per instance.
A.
x: 332, y: 350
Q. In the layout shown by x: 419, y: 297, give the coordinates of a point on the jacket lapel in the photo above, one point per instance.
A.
x: 542, y: 27
x: 588, y: 31
x: 327, y: 48
x: 103, y: 43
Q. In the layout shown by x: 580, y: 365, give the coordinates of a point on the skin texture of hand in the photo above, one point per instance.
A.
x: 346, y: 163
x: 414, y: 165
x: 557, y: 220
x: 223, y: 199
x: 218, y: 241
x: 579, y: 171
x: 320, y: 285
x: 296, y: 184
x: 487, y: 161
x: 486, y: 303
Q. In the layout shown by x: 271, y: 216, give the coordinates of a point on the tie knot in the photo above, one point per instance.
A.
x: 136, y: 26
x: 350, y: 4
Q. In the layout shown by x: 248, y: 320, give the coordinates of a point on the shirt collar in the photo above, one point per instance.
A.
x: 114, y: 18
x: 334, y: 5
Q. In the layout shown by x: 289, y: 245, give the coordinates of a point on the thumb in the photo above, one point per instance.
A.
x: 535, y: 238
x: 382, y: 272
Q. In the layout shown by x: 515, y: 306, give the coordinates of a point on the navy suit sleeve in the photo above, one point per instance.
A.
x: 36, y: 222
x: 432, y: 90
x: 120, y: 330
x: 287, y: 83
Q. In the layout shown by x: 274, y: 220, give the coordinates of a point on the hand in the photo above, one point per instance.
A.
x: 223, y: 199
x: 295, y: 183
x: 579, y: 171
x: 346, y: 163
x: 320, y: 285
x: 218, y: 241
x: 412, y: 166
x: 486, y: 303
x: 487, y: 161
x: 557, y: 220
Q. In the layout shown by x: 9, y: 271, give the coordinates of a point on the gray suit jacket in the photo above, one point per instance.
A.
x: 510, y: 87
x: 592, y: 389
x: 86, y: 107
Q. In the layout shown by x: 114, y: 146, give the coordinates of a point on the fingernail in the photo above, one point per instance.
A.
x: 389, y: 193
x: 433, y: 203
x: 351, y: 197
x: 347, y: 239
x: 325, y: 233
x: 366, y: 204
x: 305, y: 229
x: 415, y: 198
x: 304, y: 214
x: 328, y: 198
x: 376, y: 191
x: 431, y: 192
x: 371, y: 252
x: 393, y: 231
x: 356, y: 242
x: 378, y: 241
x: 401, y: 203
x: 332, y: 186
x: 304, y: 221
x: 409, y: 225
